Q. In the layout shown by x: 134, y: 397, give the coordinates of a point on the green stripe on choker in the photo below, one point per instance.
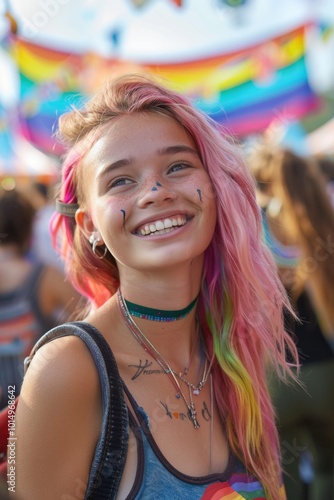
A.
x: 158, y: 314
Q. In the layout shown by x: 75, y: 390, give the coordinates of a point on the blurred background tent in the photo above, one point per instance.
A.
x: 247, y: 63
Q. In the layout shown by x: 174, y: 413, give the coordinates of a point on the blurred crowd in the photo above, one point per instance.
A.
x: 295, y: 194
x: 34, y: 293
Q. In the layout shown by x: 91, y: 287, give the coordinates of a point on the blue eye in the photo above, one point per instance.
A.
x: 179, y: 166
x: 120, y: 182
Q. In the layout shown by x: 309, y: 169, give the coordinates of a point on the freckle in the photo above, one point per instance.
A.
x: 154, y: 189
x: 158, y: 184
x: 123, y: 212
x: 199, y: 194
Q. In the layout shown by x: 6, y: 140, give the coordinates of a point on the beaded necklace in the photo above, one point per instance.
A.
x: 155, y: 354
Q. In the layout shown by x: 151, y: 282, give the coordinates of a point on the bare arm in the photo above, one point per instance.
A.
x: 58, y: 422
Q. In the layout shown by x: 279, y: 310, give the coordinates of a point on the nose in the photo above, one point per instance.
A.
x: 156, y: 192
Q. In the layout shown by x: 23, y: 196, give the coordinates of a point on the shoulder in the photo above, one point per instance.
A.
x: 65, y: 365
x: 59, y: 415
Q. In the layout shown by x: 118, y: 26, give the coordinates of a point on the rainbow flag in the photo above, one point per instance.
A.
x: 18, y: 157
x: 244, y: 91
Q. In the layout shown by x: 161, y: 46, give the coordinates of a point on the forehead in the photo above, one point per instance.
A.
x: 130, y: 135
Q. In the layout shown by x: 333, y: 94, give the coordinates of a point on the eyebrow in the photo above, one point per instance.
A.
x: 169, y: 150
x: 114, y: 166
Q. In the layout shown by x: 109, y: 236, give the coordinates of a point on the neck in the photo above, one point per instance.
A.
x: 177, y: 346
x: 169, y: 288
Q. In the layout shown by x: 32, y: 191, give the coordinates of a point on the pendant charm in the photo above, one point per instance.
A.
x: 196, y: 392
x: 192, y: 415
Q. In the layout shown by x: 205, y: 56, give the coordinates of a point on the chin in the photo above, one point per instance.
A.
x: 170, y: 262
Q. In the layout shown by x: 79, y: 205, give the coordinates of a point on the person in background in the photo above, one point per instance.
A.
x: 41, y: 248
x: 298, y: 222
x: 161, y: 231
x: 326, y: 164
x: 32, y: 296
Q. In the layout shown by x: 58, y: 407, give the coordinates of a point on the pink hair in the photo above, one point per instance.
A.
x: 242, y: 299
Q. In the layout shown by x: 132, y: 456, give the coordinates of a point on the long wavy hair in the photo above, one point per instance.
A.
x: 241, y: 301
x: 309, y: 215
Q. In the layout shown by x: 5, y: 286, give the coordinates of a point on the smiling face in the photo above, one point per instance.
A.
x: 147, y: 194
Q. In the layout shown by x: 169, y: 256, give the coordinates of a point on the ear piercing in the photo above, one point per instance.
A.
x: 94, y: 240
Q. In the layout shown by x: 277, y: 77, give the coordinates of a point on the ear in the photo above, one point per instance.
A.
x: 84, y: 222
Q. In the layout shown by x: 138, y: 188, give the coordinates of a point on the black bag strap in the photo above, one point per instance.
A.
x: 111, y: 450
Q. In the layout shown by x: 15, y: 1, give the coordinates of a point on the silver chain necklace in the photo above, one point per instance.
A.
x: 195, y: 389
x: 155, y: 354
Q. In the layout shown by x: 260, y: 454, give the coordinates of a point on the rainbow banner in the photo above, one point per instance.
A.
x: 18, y: 157
x: 5, y: 143
x: 244, y: 91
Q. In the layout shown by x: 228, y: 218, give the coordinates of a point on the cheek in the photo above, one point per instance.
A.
x: 111, y: 214
x: 201, y: 191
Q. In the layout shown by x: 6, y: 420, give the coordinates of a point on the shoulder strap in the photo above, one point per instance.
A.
x: 111, y: 450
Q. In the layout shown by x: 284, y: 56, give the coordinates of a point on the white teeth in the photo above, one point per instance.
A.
x: 163, y: 231
x: 162, y: 227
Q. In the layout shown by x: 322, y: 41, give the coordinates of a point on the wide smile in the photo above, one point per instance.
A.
x: 163, y: 226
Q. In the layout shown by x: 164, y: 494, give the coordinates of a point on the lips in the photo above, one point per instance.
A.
x: 162, y: 226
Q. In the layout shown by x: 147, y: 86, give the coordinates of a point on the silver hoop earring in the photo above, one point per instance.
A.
x: 93, y: 240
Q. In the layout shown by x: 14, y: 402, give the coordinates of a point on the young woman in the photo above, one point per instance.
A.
x: 161, y: 231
